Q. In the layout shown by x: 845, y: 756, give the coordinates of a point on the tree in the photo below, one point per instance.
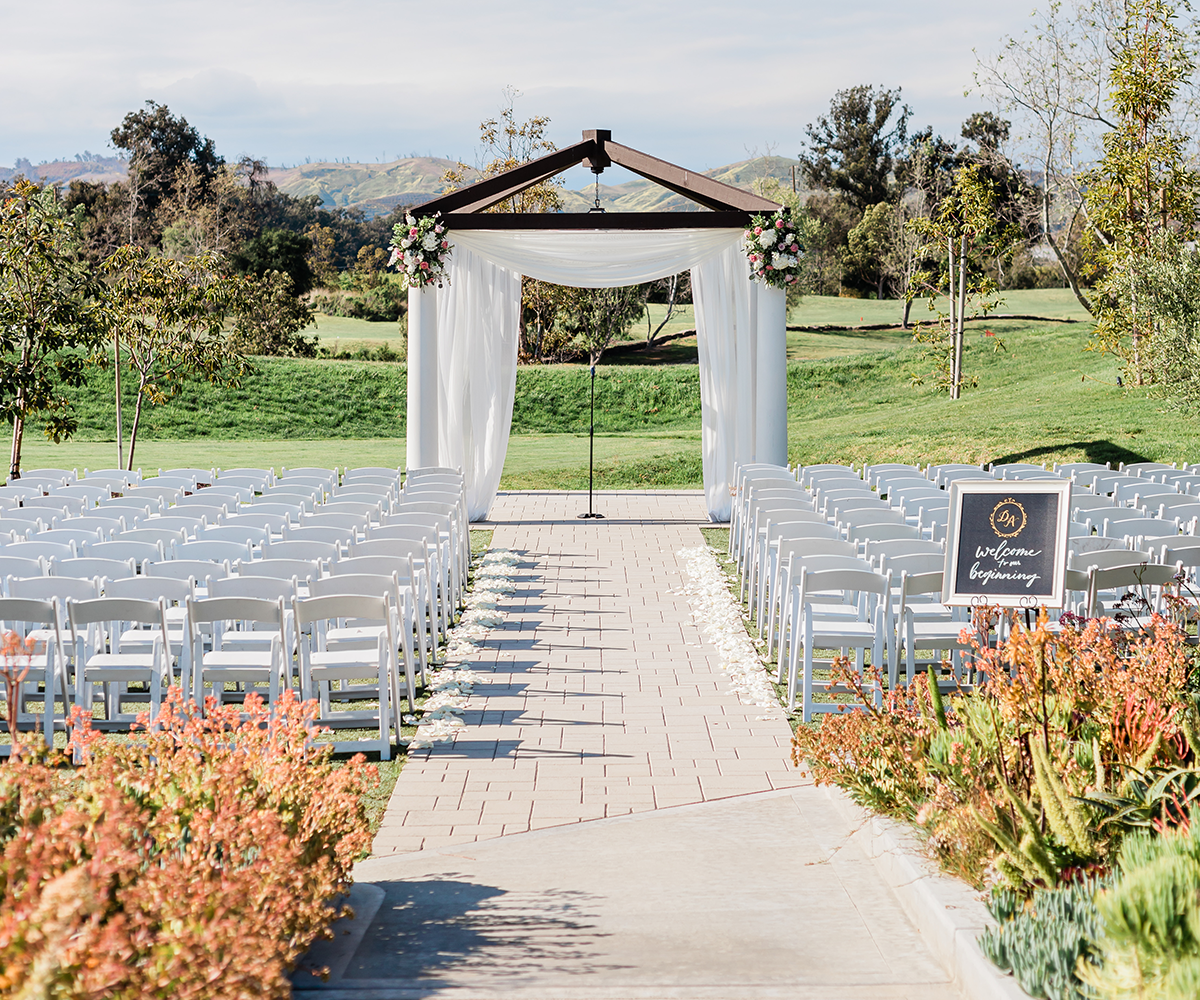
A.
x: 277, y: 250
x: 166, y: 318
x: 964, y: 232
x: 1056, y: 80
x: 868, y: 247
x: 1161, y: 285
x: 207, y: 215
x: 673, y: 290
x: 47, y: 312
x: 851, y: 151
x: 268, y: 318
x: 159, y: 145
x: 507, y: 143
x: 1017, y: 202
x: 1143, y: 185
x: 595, y: 317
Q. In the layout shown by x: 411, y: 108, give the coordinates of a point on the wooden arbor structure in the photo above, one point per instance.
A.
x: 727, y: 207
x: 722, y: 206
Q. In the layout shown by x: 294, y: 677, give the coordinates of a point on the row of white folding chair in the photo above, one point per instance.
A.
x: 769, y: 491
x: 124, y: 641
x: 451, y: 504
x: 764, y: 501
x: 107, y: 659
x: 742, y: 475
x: 884, y: 617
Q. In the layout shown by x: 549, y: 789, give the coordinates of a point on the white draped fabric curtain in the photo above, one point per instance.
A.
x: 478, y: 316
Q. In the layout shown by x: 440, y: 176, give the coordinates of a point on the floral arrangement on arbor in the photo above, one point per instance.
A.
x: 420, y: 249
x: 772, y: 246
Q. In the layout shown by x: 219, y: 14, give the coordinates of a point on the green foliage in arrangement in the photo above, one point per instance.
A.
x: 1042, y: 941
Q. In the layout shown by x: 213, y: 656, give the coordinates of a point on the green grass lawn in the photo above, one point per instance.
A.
x: 338, y: 333
x: 1043, y: 398
x: 829, y: 310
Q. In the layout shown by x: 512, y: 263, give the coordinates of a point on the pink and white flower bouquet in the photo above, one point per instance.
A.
x: 421, y: 249
x: 772, y: 245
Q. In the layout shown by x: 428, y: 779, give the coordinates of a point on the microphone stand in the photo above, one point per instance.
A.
x: 591, y: 451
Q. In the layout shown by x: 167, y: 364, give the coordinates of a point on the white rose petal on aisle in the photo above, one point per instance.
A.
x: 451, y: 686
x: 721, y: 622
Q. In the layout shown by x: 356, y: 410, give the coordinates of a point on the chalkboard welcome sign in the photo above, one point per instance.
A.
x: 1007, y: 543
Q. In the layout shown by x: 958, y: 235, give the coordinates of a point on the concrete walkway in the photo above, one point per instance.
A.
x: 613, y: 822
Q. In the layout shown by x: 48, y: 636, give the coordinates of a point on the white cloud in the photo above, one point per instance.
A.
x: 698, y: 83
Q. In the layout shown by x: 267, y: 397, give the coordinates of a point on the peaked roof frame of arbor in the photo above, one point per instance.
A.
x: 727, y: 207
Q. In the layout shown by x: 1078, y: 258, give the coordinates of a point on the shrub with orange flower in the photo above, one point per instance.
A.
x: 198, y: 859
x: 1057, y: 715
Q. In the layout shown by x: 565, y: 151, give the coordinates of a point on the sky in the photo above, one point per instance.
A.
x: 700, y: 83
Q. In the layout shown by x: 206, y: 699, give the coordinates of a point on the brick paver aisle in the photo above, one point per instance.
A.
x: 599, y: 698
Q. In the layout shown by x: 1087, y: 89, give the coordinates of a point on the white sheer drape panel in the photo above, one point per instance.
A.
x: 597, y: 259
x: 726, y: 303
x: 477, y: 317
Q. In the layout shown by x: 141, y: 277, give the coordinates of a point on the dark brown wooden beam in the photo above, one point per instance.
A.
x: 598, y: 220
x: 704, y: 190
x: 492, y: 189
x: 599, y: 160
x: 495, y: 197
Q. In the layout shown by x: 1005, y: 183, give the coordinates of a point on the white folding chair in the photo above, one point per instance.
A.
x: 322, y: 553
x: 422, y: 563
x: 140, y: 552
x: 96, y: 630
x: 794, y: 553
x: 230, y: 621
x: 425, y: 620
x: 868, y: 591
x: 300, y: 570
x: 235, y: 531
x: 321, y: 669
x: 34, y: 549
x: 364, y: 634
x: 213, y: 549
x: 38, y: 626
x: 1146, y: 581
x: 927, y: 625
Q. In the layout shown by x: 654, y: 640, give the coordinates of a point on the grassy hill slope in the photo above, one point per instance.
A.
x: 1040, y: 398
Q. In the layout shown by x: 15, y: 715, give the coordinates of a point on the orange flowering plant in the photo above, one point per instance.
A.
x: 1056, y: 716
x: 196, y: 859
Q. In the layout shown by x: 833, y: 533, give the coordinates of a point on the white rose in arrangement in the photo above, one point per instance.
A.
x: 767, y: 238
x: 780, y: 261
x: 430, y: 242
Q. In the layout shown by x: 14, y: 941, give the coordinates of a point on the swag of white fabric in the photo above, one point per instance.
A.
x: 598, y: 259
x: 472, y: 327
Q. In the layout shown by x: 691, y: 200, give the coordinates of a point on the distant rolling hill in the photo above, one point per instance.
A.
x: 379, y: 188
x: 84, y: 167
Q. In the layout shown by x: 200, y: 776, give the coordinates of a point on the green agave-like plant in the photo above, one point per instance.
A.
x: 1043, y: 942
x: 1150, y: 944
